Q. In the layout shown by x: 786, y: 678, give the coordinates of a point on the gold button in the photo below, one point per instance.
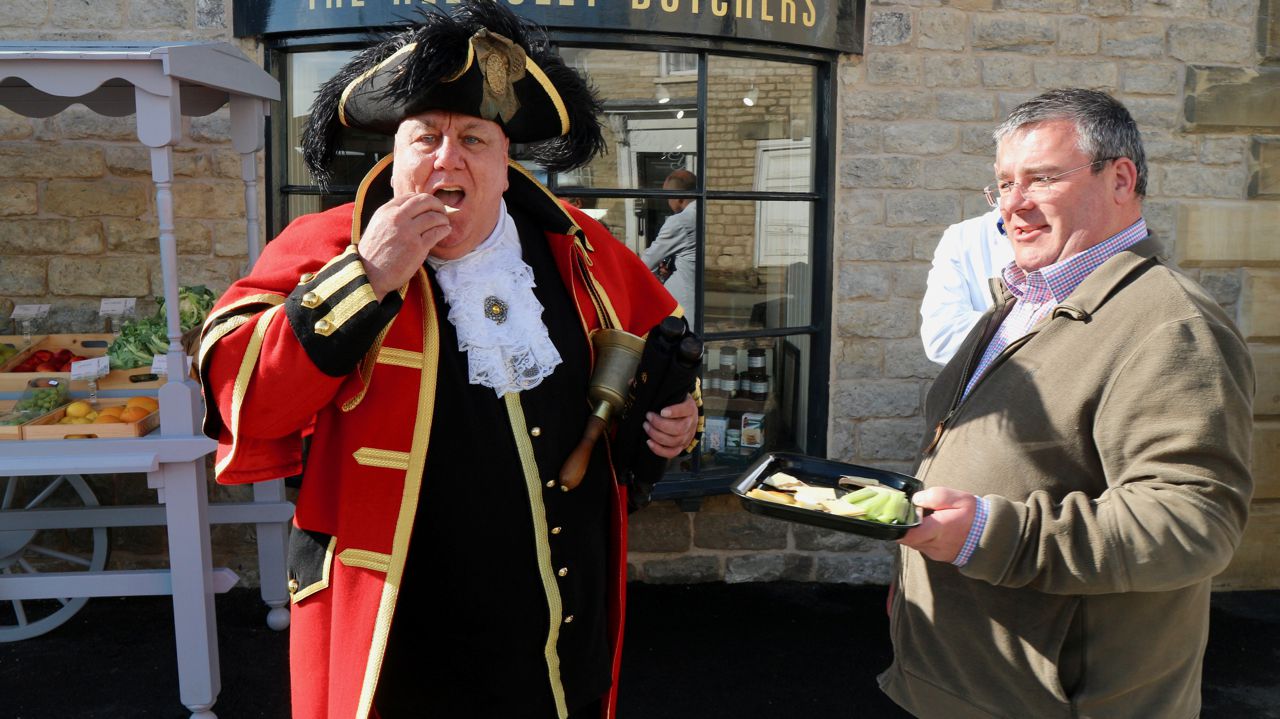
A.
x: 536, y: 431
x: 293, y: 586
x: 551, y: 483
x: 564, y: 488
x: 306, y: 277
x: 310, y: 300
x: 568, y: 619
x: 323, y: 326
x: 563, y: 571
x: 555, y: 530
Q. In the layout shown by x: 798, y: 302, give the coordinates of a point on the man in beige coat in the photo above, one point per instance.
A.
x: 1087, y: 464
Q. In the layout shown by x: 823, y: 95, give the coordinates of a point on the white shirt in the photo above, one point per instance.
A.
x: 957, y: 294
x: 679, y: 236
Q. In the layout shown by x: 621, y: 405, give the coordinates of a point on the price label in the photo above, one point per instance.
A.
x: 30, y: 312
x: 160, y: 364
x: 116, y: 306
x: 91, y: 368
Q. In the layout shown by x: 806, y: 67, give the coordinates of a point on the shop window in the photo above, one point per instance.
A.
x: 745, y: 129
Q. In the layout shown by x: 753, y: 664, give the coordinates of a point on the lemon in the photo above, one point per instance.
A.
x: 79, y: 408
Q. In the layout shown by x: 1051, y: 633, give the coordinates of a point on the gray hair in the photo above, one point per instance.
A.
x: 1104, y: 128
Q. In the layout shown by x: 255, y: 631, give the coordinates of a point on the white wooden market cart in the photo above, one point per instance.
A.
x: 158, y: 83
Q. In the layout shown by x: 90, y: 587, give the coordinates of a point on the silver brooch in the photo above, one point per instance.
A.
x: 495, y: 309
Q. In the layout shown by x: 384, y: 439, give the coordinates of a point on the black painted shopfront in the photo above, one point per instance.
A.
x: 741, y: 93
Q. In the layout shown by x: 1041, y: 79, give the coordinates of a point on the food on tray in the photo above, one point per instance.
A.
x: 43, y: 399
x: 48, y: 361
x: 872, y: 501
x: 142, y: 339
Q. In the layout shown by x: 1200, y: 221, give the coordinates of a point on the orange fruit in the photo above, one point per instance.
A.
x: 108, y: 419
x: 112, y: 411
x: 133, y: 414
x: 148, y: 403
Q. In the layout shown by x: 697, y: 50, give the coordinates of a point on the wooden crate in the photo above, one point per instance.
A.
x: 47, y: 427
x: 13, y: 431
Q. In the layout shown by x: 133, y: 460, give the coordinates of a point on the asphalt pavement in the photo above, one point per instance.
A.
x: 745, y: 651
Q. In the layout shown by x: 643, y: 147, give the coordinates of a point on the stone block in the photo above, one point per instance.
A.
x: 942, y: 29
x: 23, y: 276
x: 817, y: 539
x: 1223, y: 284
x: 1149, y: 78
x: 1155, y: 113
x: 210, y: 14
x: 876, y: 244
x: 209, y: 200
x: 874, y: 567
x: 767, y: 568
x: 17, y: 15
x: 1242, y: 12
x: 860, y: 138
x: 978, y: 141
x: 859, y: 280
x: 859, y: 209
x: 1266, y: 368
x: 660, y: 527
x: 17, y: 198
x: 1091, y: 74
x: 1048, y: 6
x: 842, y: 439
x: 215, y: 128
x: 12, y: 125
x: 894, y: 68
x: 1228, y: 233
x: 115, y: 198
x: 1229, y: 98
x: 47, y: 237
x: 41, y: 161
x: 159, y: 15
x: 909, y: 279
x: 972, y: 5
x: 890, y: 439
x: 966, y: 173
x: 886, y: 105
x: 1078, y: 36
x: 1268, y: 25
x: 919, y: 138
x: 1256, y: 564
x: 1260, y: 304
x: 1171, y: 8
x: 1030, y: 34
x: 216, y: 274
x: 1135, y: 37
x: 1266, y: 459
x: 1264, y: 168
x: 723, y: 524
x: 99, y: 276
x: 875, y: 398
x: 1226, y: 150
x: 889, y: 28
x: 857, y: 358
x: 1001, y: 71
x: 886, y: 320
x: 79, y: 16
x: 887, y: 172
x: 135, y: 161
x: 951, y: 71
x: 142, y: 236
x: 80, y: 123
x: 1202, y: 41
x: 229, y: 238
x: 1165, y: 145
x: 921, y: 208
x: 683, y: 570
x: 965, y: 106
x: 1106, y: 8
x: 906, y: 358
x: 1189, y: 180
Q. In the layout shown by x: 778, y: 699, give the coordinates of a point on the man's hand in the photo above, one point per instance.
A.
x: 671, y: 430
x: 942, y: 533
x: 398, y: 238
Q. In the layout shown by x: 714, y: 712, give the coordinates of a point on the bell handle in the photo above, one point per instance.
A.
x: 576, y: 465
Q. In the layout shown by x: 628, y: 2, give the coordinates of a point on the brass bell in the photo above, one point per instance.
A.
x: 617, y: 357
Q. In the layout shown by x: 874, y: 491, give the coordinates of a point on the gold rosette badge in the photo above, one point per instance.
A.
x: 502, y: 65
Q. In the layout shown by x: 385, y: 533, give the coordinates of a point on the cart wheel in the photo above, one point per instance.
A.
x: 35, y: 551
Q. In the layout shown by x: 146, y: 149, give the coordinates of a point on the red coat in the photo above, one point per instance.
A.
x: 364, y: 472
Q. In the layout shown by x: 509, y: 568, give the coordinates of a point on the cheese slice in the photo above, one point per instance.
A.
x: 813, y: 497
x: 770, y: 496
x: 782, y: 480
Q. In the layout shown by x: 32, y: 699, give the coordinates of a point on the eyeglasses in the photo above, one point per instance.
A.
x: 1037, y: 187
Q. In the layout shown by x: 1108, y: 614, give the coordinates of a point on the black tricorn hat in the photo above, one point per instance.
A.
x: 480, y: 60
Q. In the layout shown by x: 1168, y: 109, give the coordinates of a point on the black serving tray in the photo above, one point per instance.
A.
x: 821, y: 473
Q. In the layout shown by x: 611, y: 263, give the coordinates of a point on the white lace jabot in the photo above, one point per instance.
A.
x: 499, y: 321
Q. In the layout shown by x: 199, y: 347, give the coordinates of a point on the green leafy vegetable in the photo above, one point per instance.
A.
x: 142, y: 339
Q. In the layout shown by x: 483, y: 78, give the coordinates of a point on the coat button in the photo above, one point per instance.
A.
x: 323, y: 326
x: 293, y: 586
x: 568, y: 619
x: 536, y: 431
x: 551, y: 483
x: 555, y: 530
x: 563, y: 571
x: 306, y: 277
x: 310, y: 300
